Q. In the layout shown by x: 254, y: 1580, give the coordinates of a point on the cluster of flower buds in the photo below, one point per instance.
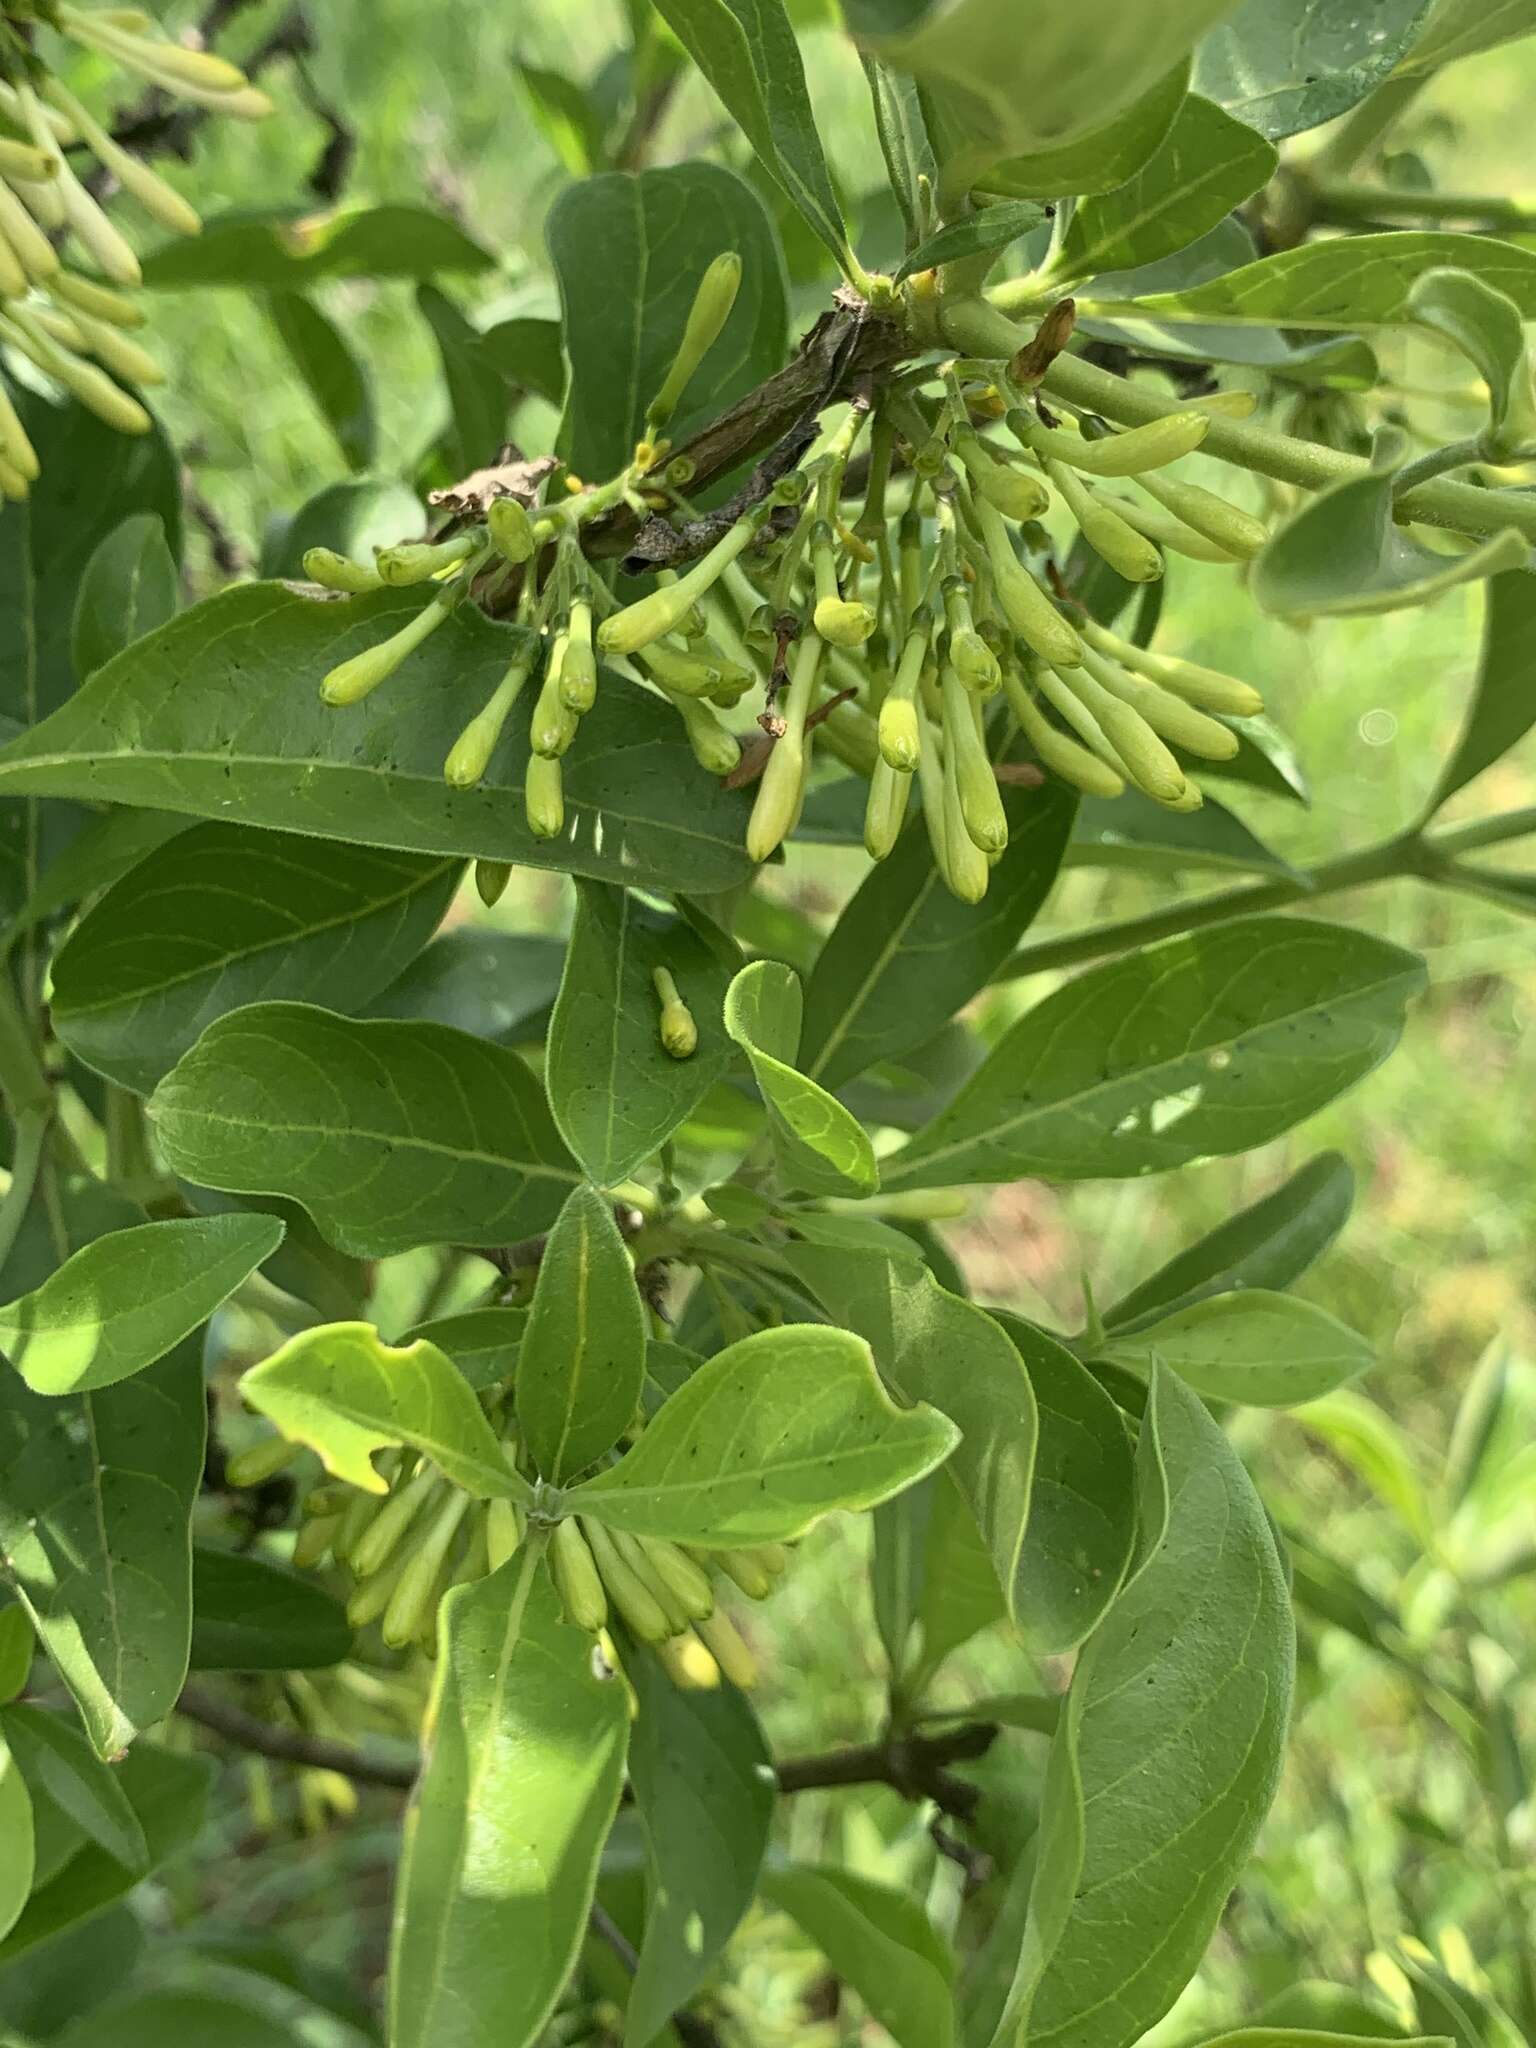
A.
x: 65, y: 267
x: 913, y: 640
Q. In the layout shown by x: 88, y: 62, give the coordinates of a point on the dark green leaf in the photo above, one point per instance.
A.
x: 108, y: 846
x: 903, y: 140
x: 18, y: 1861
x: 126, y: 1299
x: 960, y: 1595
x: 880, y: 1941
x: 582, y: 1361
x: 18, y: 1646
x: 821, y: 1148
x: 159, y: 727
x: 1503, y: 707
x: 1133, y: 832
x: 71, y: 1975
x: 905, y: 956
x: 522, y: 1779
x: 56, y: 1760
x: 478, y: 395
x: 285, y: 252
x: 494, y: 984
x: 1261, y: 1349
x: 1209, y: 1043
x: 482, y: 1342
x: 529, y: 354
x: 303, y: 1265
x: 976, y: 234
x: 128, y: 587
x: 615, y: 1091
x: 250, y: 1615
x: 1104, y: 158
x: 1286, y: 65
x: 429, y: 1136
x: 332, y: 374
x: 629, y: 254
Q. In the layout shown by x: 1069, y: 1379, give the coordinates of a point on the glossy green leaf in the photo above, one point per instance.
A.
x: 768, y: 1436
x: 482, y: 1342
x: 821, y: 1148
x: 429, y: 1136
x: 331, y: 373
x: 286, y: 252
x: 1460, y: 28
x: 905, y: 955
x: 334, y: 1285
x: 58, y: 1762
x: 1131, y: 831
x: 976, y: 234
x: 1488, y: 329
x: 524, y: 1767
x: 96, y: 1495
x: 747, y: 51
x: 1286, y: 65
x: 1105, y: 157
x: 643, y: 243
x: 1168, y: 1752
x: 1261, y: 1349
x: 249, y: 1614
x: 353, y: 517
x: 1503, y: 708
x: 1377, y: 1451
x: 17, y: 1861
x: 904, y: 140
x: 157, y: 727
x: 1353, y: 281
x: 703, y: 1784
x: 1344, y: 554
x: 1205, y: 165
x: 1269, y: 1244
x: 126, y: 1299
x: 615, y: 1091
x: 346, y: 1394
x: 479, y: 397
x: 877, y: 1940
x: 224, y: 915
x: 18, y: 1646
x: 582, y: 1360
x: 493, y: 984
x: 1211, y: 1043
x: 129, y: 586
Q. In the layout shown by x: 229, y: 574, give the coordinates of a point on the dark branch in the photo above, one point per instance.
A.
x: 292, y: 1745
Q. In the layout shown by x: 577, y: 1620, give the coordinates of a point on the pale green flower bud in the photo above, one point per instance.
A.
x: 544, y: 797
x: 1128, y: 454
x: 679, y: 1032
x: 1025, y: 605
x: 711, y: 308
x: 1129, y: 553
x: 1227, y: 525
x: 1207, y: 687
x: 350, y: 681
x: 843, y: 622
x: 414, y: 561
x: 664, y: 609
x: 641, y: 1611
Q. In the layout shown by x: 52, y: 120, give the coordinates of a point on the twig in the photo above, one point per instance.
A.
x: 294, y: 1745
x: 230, y: 554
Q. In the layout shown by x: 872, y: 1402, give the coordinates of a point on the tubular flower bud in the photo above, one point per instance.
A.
x: 971, y: 658
x: 663, y: 610
x: 24, y: 161
x: 378, y: 1542
x: 900, y: 736
x: 84, y: 380
x: 842, y: 622
x: 413, y: 561
x: 470, y: 754
x: 369, y: 1597
x: 976, y: 786
x: 1132, y: 453
x: 82, y: 294
x: 719, y: 1635
x: 968, y: 871
x: 261, y: 1461
x: 1112, y: 538
x: 1227, y: 525
x: 782, y: 789
x: 350, y: 681
x: 1169, y: 716
x: 716, y: 750
x: 679, y: 1034
x: 686, y: 675
x: 411, y: 1603
x: 886, y: 808
x: 1063, y: 756
x: 638, y: 1606
x: 681, y: 1588
x: 1147, y: 761
x: 16, y: 448
x: 503, y: 1532
x: 552, y: 727
x: 312, y: 1544
x: 1168, y: 532
x: 36, y: 259
x: 86, y: 220
x: 711, y: 308
x: 544, y: 797
x: 491, y: 879
x: 1014, y: 491
x: 578, y: 671
x: 745, y: 1570
x: 1024, y: 604
x: 576, y: 1577
x: 119, y: 352
x: 511, y: 530
x: 158, y: 199
x: 1207, y: 687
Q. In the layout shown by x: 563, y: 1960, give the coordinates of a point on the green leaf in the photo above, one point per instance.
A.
x: 277, y: 251
x: 629, y: 252
x: 959, y: 1595
x: 1503, y: 708
x: 1344, y: 554
x: 18, y: 1646
x: 1306, y: 2037
x: 331, y: 373
x: 615, y: 1091
x: 904, y: 141
x: 880, y: 1942
x: 1460, y: 28
x: 1286, y: 65
x: 346, y: 1394
x: 522, y: 1779
x: 148, y: 2019
x: 977, y: 234
x: 703, y: 1783
x: 169, y: 1796
x: 1269, y: 1244
x: 1377, y: 1451
x: 95, y: 857
x: 16, y: 1842
x: 251, y: 1615
x: 224, y: 915
x: 353, y: 517
x: 582, y: 1361
x: 126, y: 1299
x: 1264, y: 1350
x: 304, y: 1265
x: 566, y: 116
x: 493, y: 984
x: 529, y: 353
x: 96, y: 1495
x: 1210, y: 1043
x: 905, y: 955
x: 1168, y: 1752
x: 1102, y: 159
x: 482, y: 1342
x: 390, y: 1135
x: 1354, y: 281
x: 747, y: 51
x: 157, y: 727
x: 1487, y: 328
x: 1205, y: 165
x: 768, y: 1436
x: 59, y: 1763
x: 128, y: 587
x: 1131, y: 831
x: 479, y: 398
x: 821, y: 1148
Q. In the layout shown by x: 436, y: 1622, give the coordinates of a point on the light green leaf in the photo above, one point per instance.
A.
x: 1131, y: 831
x: 703, y: 1782
x: 129, y: 586
x: 157, y: 728
x: 905, y: 955
x: 528, y: 352
x: 1206, y: 1044
x: 768, y: 1436
x: 524, y: 1769
x: 1343, y: 554
x: 987, y: 232
x: 959, y: 1594
x: 1168, y: 1752
x: 1269, y: 1244
x: 880, y: 1941
x: 1376, y: 1450
x: 482, y: 1342
x: 1103, y: 158
x: 224, y: 915
x: 582, y: 1360
x: 629, y: 252
x: 904, y: 140
x: 249, y: 1614
x: 1205, y: 165
x: 821, y: 1148
x: 1460, y: 28
x: 126, y: 1299
x: 16, y: 1842
x: 1502, y: 709
x: 1353, y: 281
x: 346, y: 1394
x: 1286, y: 65
x: 286, y: 251
x: 330, y: 372
x: 390, y: 1135
x: 615, y: 1091
x: 567, y: 118
x: 1264, y: 1350
x: 747, y: 51
x: 58, y: 1762
x: 1488, y: 329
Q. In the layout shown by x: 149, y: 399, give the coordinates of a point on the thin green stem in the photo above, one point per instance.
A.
x: 1348, y: 204
x: 1363, y: 127
x: 1436, y: 462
